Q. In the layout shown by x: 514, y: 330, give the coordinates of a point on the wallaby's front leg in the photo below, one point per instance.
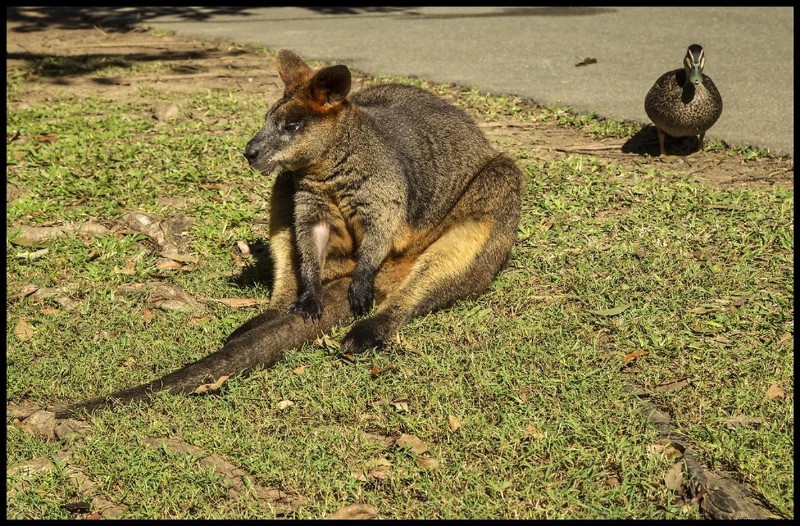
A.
x: 312, y: 232
x: 375, y: 247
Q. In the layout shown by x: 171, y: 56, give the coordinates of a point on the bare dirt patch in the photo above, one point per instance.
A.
x: 86, y: 57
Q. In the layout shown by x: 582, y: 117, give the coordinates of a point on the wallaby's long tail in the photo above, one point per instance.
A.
x: 259, y: 342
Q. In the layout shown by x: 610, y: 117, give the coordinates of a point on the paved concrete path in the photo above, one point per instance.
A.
x: 531, y: 52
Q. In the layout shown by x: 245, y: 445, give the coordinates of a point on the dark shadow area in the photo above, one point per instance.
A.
x: 60, y: 68
x: 110, y: 18
x: 125, y: 18
x: 645, y: 142
x: 260, y: 271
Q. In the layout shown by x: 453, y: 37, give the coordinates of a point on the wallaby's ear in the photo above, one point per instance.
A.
x: 330, y: 85
x: 292, y: 69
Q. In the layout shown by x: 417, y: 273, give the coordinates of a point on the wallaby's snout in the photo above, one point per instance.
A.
x: 251, y: 152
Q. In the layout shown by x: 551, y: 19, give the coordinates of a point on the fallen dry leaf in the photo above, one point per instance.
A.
x: 673, y: 478
x: 698, y: 310
x: 401, y: 404
x: 47, y: 137
x: 205, y: 388
x: 375, y: 371
x: 147, y: 315
x: 427, y: 462
x: 285, y: 404
x: 633, y: 355
x: 455, y: 423
x: 168, y: 264
x: 354, y: 511
x: 328, y: 342
x: 412, y: 443
x: 532, y: 432
x: 774, y: 392
x: 244, y: 248
x: 129, y: 270
x: 742, y: 420
x: 23, y: 331
x: 299, y: 370
x: 376, y: 468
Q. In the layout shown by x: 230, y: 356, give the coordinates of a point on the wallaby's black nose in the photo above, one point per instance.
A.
x: 251, y: 154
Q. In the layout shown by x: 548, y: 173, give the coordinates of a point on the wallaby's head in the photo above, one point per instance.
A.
x: 300, y: 127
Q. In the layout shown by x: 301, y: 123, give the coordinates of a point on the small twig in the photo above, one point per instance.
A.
x: 101, y: 31
x: 589, y: 148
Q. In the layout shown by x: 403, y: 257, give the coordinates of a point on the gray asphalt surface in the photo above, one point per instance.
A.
x: 532, y: 51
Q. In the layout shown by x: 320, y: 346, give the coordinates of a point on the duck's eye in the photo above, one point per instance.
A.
x: 291, y: 127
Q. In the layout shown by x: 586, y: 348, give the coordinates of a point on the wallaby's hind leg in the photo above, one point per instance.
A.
x: 461, y: 263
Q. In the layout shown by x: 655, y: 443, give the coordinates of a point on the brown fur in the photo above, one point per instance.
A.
x: 389, y: 195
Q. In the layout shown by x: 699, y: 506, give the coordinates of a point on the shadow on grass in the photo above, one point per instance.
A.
x: 260, y: 272
x: 645, y: 142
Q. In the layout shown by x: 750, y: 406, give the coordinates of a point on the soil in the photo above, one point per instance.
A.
x: 194, y: 66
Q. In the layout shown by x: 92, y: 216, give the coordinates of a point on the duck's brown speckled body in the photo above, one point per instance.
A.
x: 684, y: 102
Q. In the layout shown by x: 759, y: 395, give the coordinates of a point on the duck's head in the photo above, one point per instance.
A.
x: 693, y: 62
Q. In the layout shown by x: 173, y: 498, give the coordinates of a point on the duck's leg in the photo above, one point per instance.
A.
x: 661, y: 136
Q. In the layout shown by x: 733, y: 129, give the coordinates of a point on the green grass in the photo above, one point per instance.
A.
x: 533, y: 370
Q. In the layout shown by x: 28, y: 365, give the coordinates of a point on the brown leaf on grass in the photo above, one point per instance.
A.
x: 168, y: 264
x: 328, y: 342
x: 742, y: 421
x: 375, y: 371
x: 23, y: 330
x: 633, y: 355
x: 673, y: 478
x: 376, y: 468
x: 147, y: 315
x: 412, y: 443
x: 427, y: 462
x: 698, y: 310
x: 299, y: 370
x: 401, y: 404
x: 355, y: 511
x: 673, y: 386
x: 285, y: 404
x: 532, y: 432
x: 216, y: 186
x: 46, y: 137
x: 455, y: 423
x: 206, y: 388
x: 774, y: 392
x: 129, y: 270
x: 244, y: 248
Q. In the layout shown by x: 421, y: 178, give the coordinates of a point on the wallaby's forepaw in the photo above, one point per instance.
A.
x: 366, y: 334
x: 360, y: 295
x: 308, y: 305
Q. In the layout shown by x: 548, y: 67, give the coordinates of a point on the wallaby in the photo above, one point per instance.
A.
x: 390, y: 195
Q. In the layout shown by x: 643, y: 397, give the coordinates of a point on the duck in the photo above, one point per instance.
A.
x: 684, y: 102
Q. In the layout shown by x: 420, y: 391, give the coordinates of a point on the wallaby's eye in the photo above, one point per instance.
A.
x: 291, y: 127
